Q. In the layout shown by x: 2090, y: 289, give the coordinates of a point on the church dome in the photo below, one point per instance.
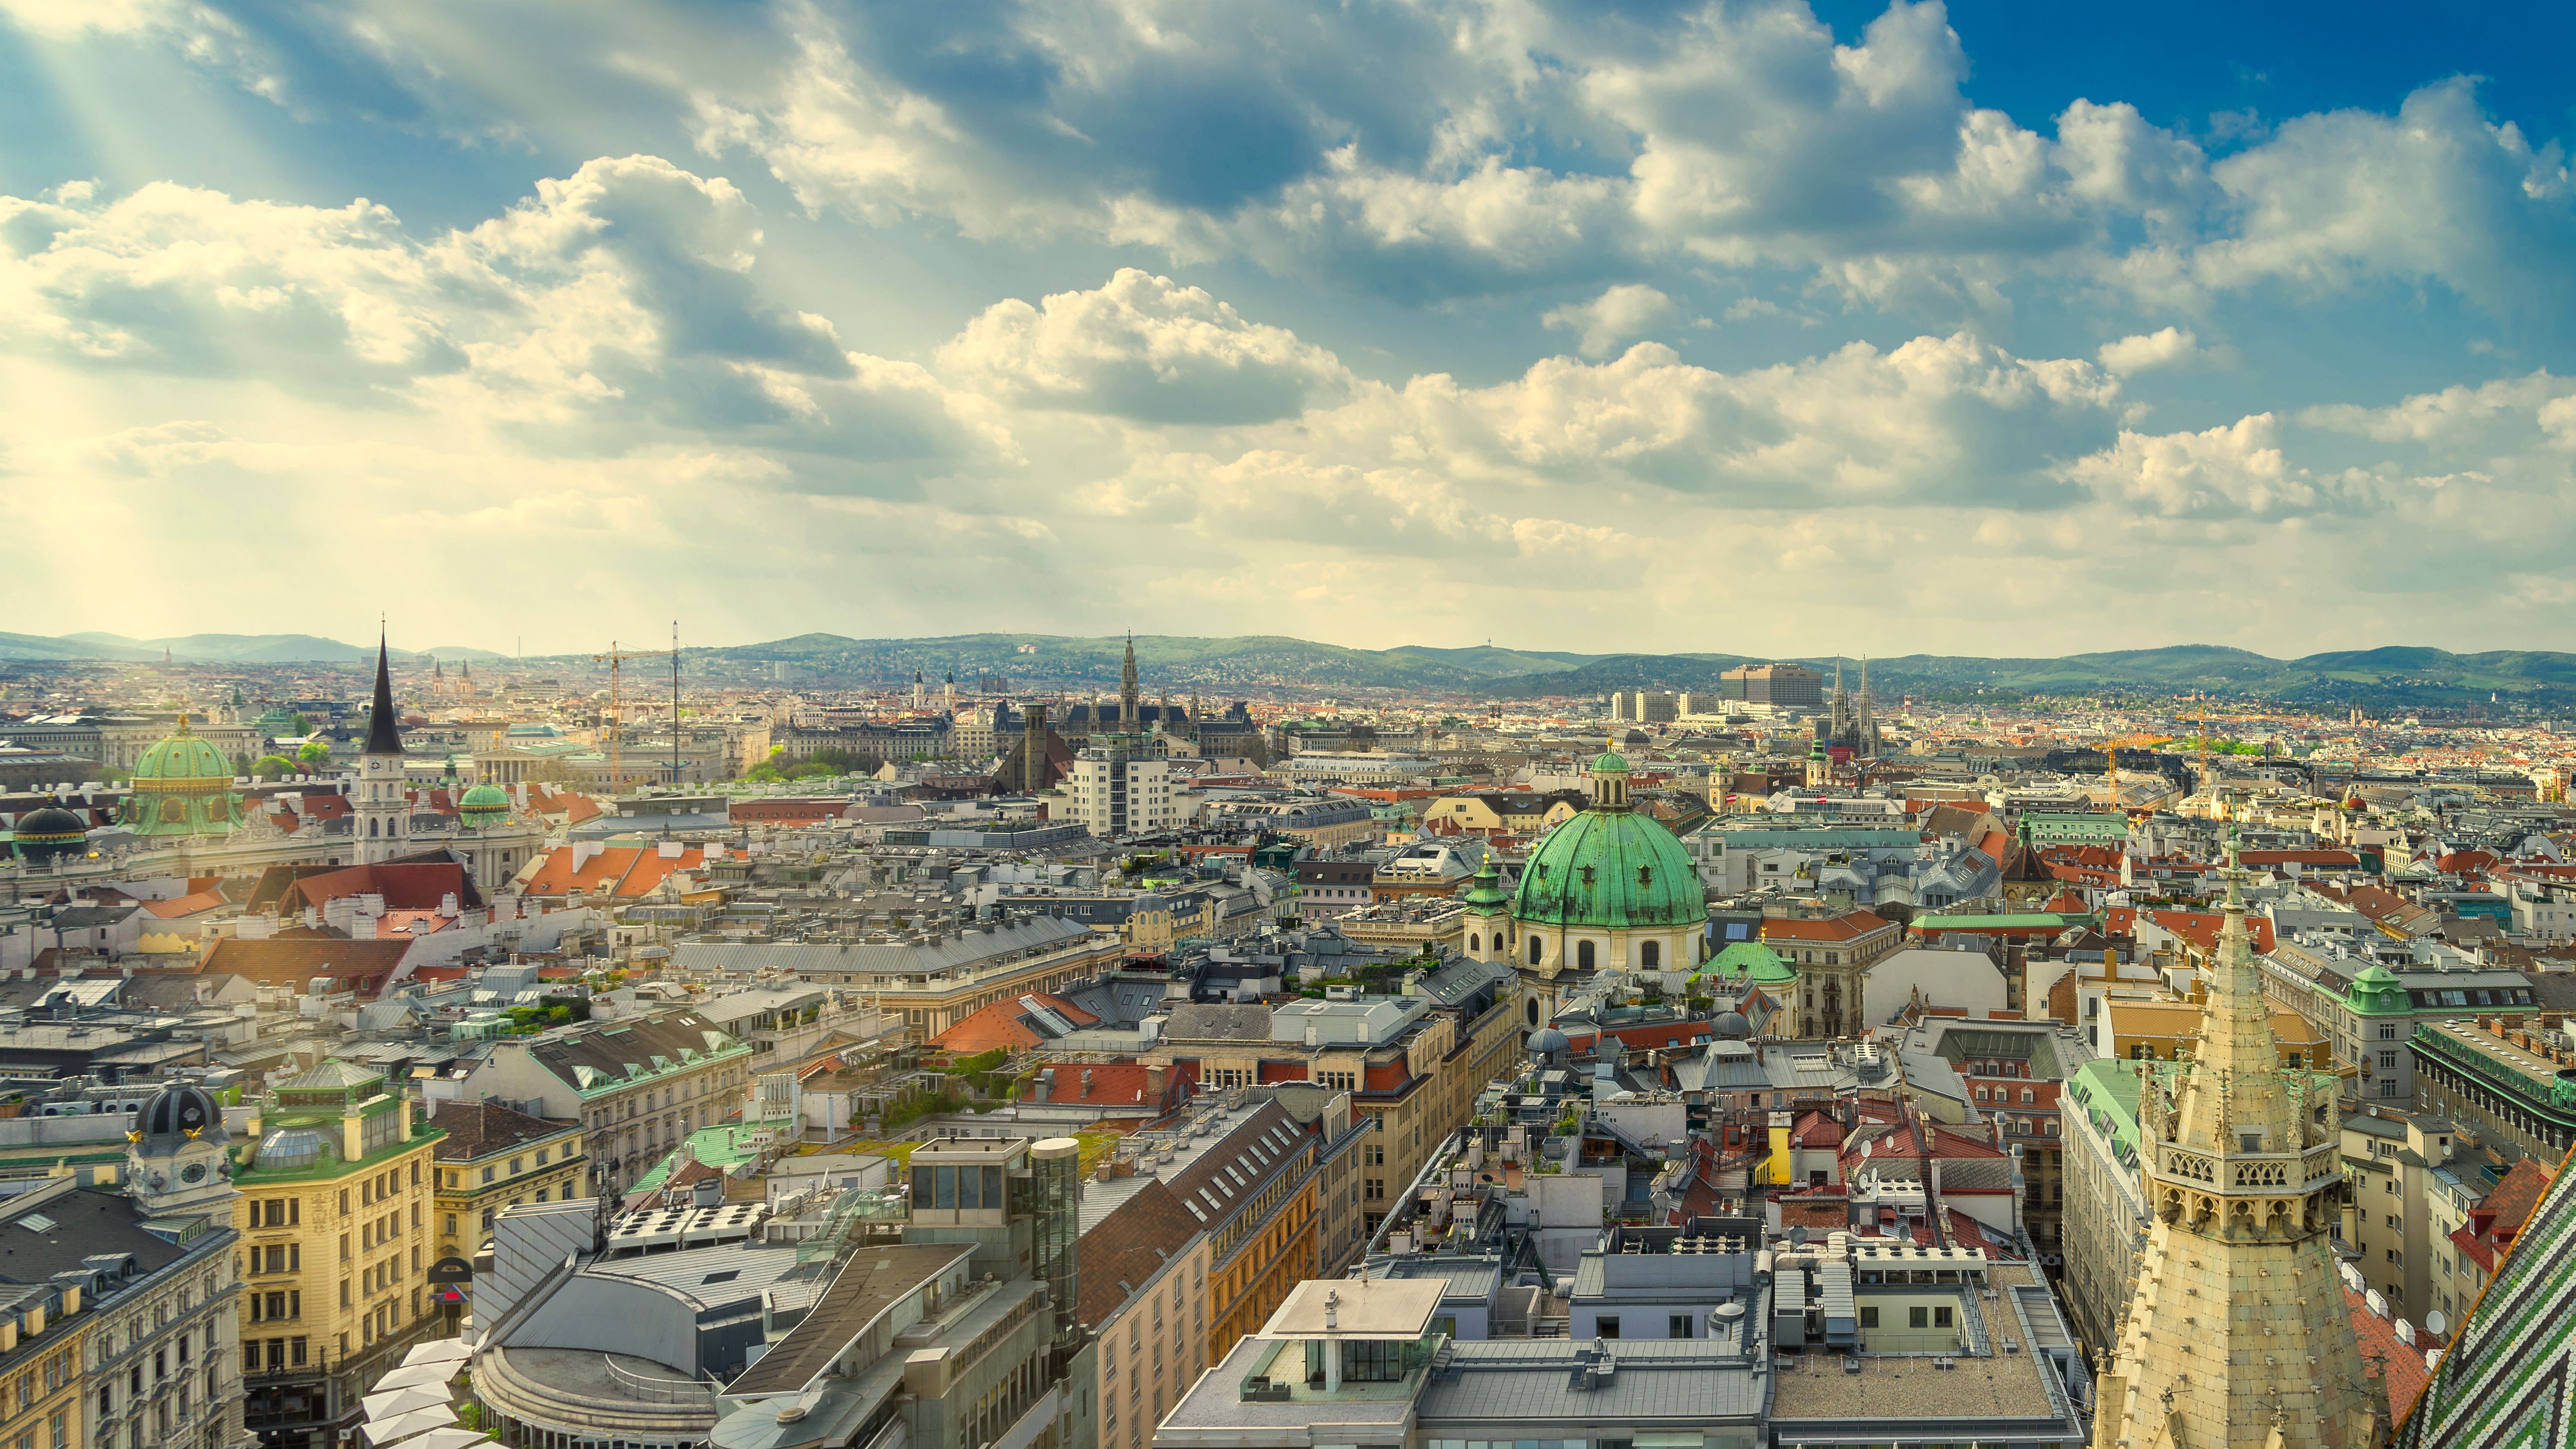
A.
x: 182, y: 786
x: 1753, y: 962
x: 178, y: 1111
x: 1608, y: 867
x: 48, y: 832
x: 483, y: 805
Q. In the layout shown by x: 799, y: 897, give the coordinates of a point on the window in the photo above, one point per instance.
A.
x: 1583, y: 956
x: 488, y: 1172
x: 1601, y: 1328
x: 1918, y: 1317
x: 1869, y: 1315
x: 1677, y: 1325
x: 1941, y: 1316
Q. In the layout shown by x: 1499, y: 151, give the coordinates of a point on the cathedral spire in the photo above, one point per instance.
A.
x: 383, y: 738
x: 1128, y: 715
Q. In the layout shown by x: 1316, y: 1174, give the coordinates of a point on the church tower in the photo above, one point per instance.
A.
x: 2238, y: 1337
x: 383, y: 806
x: 1129, y: 714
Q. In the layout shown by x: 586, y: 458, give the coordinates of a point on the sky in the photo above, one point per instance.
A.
x: 1619, y: 325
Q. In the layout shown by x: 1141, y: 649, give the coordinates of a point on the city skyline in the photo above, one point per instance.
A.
x: 1425, y: 326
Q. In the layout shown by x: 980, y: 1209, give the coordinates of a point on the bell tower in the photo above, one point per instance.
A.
x: 383, y: 806
x: 2238, y: 1337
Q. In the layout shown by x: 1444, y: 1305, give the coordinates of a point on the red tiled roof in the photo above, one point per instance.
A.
x: 1128, y: 1247
x: 2201, y: 928
x: 999, y: 1026
x: 187, y: 905
x: 359, y: 966
x: 1847, y: 927
x: 1119, y: 1084
x: 627, y: 872
x: 405, y: 885
x: 2497, y: 1219
x: 2383, y: 1352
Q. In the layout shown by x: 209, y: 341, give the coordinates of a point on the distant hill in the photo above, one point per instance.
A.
x: 212, y: 649
x: 2384, y: 678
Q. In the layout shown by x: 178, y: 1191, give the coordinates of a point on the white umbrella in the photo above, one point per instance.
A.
x: 381, y: 1407
x: 416, y: 1376
x: 438, y: 1350
x: 403, y: 1426
x: 445, y: 1439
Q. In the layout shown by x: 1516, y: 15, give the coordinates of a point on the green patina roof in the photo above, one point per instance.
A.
x: 2107, y: 1089
x: 1611, y: 762
x: 1484, y: 893
x: 1610, y: 868
x: 183, y: 756
x: 2026, y: 921
x: 2377, y: 992
x: 722, y: 1148
x: 1751, y: 959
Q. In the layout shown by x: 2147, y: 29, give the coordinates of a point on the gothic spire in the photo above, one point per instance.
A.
x: 382, y: 736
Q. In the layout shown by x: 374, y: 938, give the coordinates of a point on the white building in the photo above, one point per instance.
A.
x: 1113, y: 793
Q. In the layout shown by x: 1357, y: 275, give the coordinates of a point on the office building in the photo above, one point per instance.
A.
x: 334, y: 1220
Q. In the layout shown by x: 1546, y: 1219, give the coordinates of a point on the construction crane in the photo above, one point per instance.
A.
x: 616, y: 659
x: 2111, y: 758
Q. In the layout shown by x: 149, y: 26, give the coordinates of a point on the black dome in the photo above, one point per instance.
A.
x: 49, y: 832
x: 179, y: 1109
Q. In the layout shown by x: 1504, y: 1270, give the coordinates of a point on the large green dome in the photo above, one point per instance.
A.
x: 483, y: 805
x: 182, y: 786
x: 183, y: 757
x: 1610, y: 868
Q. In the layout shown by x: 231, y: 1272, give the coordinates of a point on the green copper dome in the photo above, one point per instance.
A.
x: 1610, y: 763
x: 1608, y: 867
x: 1753, y: 961
x: 1484, y: 894
x: 182, y: 786
x: 483, y: 805
x: 2378, y: 992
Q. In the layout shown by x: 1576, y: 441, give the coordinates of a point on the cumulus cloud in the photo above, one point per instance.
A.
x: 1618, y: 314
x: 2147, y: 351
x: 1142, y: 347
x: 615, y: 298
x: 2236, y: 471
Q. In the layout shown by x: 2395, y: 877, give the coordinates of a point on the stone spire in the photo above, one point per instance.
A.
x: 1128, y: 714
x: 383, y: 737
x: 2238, y: 1335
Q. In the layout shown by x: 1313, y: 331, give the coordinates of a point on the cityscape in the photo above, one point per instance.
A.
x: 1413, y: 724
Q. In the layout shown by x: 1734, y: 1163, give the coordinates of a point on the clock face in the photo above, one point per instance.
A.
x: 193, y: 1172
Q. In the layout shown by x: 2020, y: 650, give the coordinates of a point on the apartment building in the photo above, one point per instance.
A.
x: 1144, y: 1295
x: 335, y: 1234
x: 2390, y: 1163
x: 1412, y: 1064
x: 636, y: 1087
x: 495, y: 1157
x: 933, y: 981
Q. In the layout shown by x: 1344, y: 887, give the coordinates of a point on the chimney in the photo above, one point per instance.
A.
x: 1154, y: 1083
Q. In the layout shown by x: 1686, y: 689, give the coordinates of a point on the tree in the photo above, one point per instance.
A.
x: 1257, y: 750
x: 301, y: 725
x: 313, y: 752
x: 271, y: 767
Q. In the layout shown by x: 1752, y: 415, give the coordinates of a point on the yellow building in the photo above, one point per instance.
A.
x: 1513, y: 811
x: 334, y: 1217
x: 40, y: 1362
x: 492, y: 1158
x: 2163, y: 1031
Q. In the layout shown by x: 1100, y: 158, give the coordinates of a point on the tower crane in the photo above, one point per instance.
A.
x: 615, y: 659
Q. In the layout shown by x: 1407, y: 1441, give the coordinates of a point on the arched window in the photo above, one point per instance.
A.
x: 1475, y: 942
x: 1583, y: 956
x: 1531, y: 1008
x: 1533, y: 951
x: 1651, y: 955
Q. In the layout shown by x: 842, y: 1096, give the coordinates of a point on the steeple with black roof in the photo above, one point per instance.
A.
x: 383, y: 737
x: 383, y: 797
